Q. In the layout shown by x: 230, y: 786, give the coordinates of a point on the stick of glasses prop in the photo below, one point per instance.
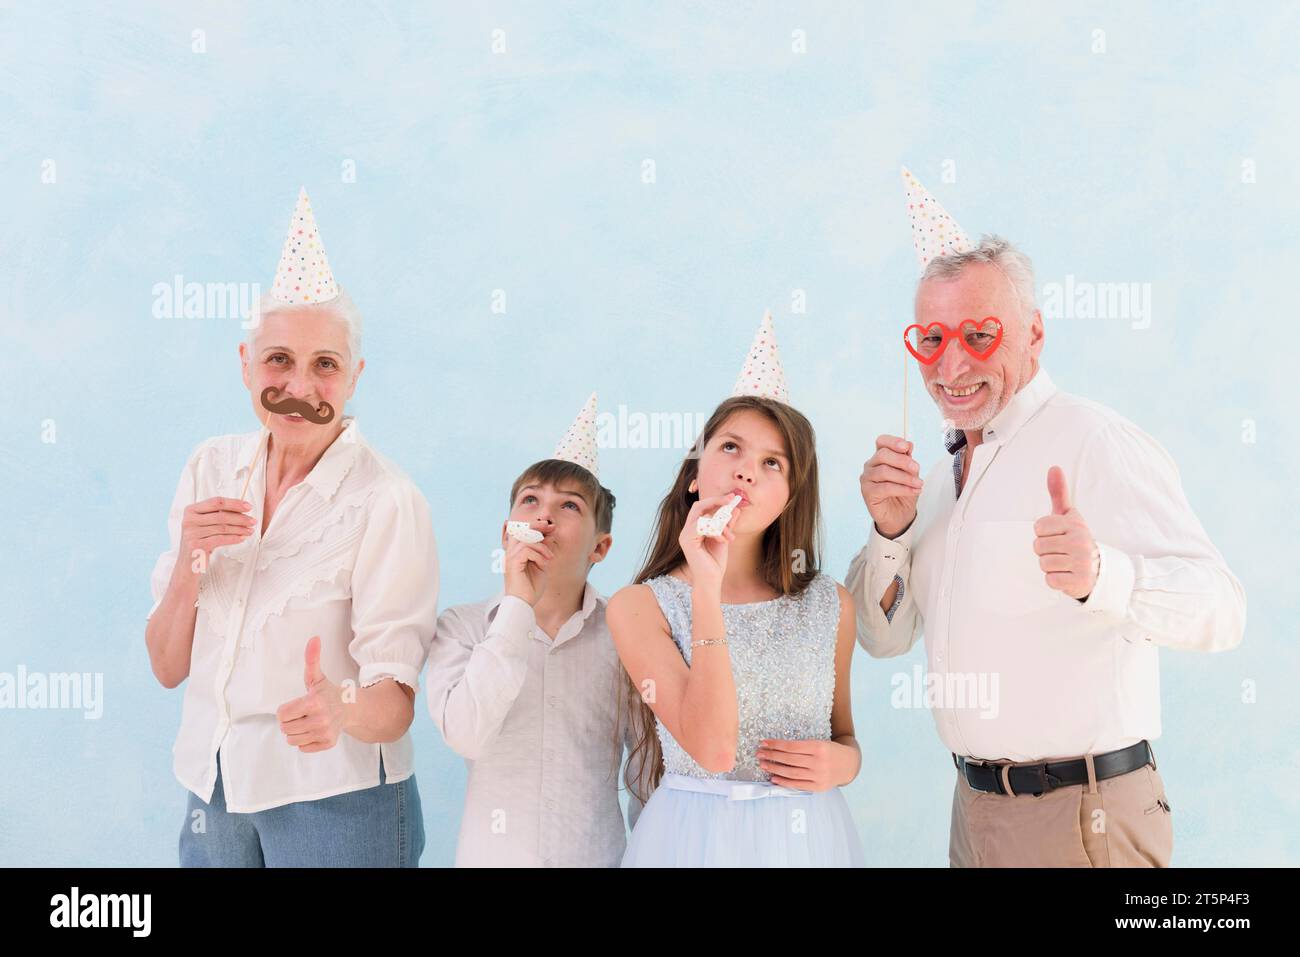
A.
x: 321, y: 414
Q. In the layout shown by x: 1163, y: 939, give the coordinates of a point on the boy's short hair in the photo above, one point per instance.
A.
x: 556, y: 472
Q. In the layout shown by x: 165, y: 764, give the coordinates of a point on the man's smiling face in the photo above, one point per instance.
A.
x: 970, y: 391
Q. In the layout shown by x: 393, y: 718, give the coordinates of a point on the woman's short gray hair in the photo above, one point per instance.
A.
x: 995, y: 251
x: 341, y: 306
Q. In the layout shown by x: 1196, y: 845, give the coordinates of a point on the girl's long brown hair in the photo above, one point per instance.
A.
x: 789, y: 560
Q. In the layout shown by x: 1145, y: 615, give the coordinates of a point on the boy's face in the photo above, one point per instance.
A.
x: 566, y: 517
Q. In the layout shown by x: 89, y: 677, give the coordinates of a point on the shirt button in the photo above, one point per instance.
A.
x: 546, y: 861
x: 550, y: 804
x: 552, y: 701
x: 531, y: 633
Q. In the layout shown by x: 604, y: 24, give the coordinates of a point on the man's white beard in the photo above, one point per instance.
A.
x: 968, y: 420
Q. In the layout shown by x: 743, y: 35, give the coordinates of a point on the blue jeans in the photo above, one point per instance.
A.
x: 380, y: 826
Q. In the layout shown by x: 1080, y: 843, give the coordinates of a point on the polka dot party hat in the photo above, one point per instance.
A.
x: 934, y: 232
x: 304, y: 274
x: 762, y: 373
x: 579, y: 443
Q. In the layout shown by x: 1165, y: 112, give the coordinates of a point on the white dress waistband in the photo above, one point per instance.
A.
x: 730, y: 789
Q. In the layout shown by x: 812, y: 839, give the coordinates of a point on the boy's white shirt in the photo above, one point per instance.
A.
x: 536, y: 723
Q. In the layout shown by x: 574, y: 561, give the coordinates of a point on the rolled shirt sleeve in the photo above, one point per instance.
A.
x: 473, y: 682
x: 880, y: 563
x: 1161, y: 580
x: 395, y: 588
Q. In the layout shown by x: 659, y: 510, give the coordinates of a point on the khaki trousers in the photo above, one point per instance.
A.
x: 1120, y: 822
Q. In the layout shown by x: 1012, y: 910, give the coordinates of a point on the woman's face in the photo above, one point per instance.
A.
x: 747, y: 455
x: 303, y: 353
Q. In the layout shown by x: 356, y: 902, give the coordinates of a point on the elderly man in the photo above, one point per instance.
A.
x: 1055, y: 553
x: 302, y: 614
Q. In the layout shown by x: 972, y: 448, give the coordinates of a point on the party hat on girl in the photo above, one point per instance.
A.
x: 762, y: 373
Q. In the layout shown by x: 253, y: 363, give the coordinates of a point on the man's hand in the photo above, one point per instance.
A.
x: 1067, y: 552
x: 314, y: 721
x: 891, y: 483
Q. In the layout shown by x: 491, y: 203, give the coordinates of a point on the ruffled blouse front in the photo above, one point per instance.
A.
x: 349, y: 555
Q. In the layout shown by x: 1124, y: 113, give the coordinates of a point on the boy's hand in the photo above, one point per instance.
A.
x: 526, y: 566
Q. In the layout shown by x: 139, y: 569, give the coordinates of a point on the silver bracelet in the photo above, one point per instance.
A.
x: 709, y: 641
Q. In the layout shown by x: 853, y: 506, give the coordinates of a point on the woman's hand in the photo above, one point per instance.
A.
x: 707, y: 556
x: 817, y: 764
x: 525, y: 569
x: 211, y: 523
x: 314, y: 721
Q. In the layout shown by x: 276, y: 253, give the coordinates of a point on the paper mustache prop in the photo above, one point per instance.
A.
x: 320, y: 414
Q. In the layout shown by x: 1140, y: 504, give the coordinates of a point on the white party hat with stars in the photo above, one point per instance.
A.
x: 304, y: 273
x: 934, y: 232
x: 579, y: 443
x: 762, y: 373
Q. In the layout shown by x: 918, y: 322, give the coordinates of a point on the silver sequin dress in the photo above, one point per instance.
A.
x: 783, y: 663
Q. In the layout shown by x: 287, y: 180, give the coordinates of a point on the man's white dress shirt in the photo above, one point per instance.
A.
x: 350, y: 556
x: 1070, y: 677
x: 542, y: 726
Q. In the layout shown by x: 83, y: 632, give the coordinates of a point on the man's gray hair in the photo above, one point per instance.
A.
x: 995, y: 251
x: 341, y: 306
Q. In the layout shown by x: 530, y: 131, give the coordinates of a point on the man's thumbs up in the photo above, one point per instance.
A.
x: 1067, y: 552
x: 1058, y: 490
x: 313, y: 675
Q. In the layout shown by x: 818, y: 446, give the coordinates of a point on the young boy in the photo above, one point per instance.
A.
x: 528, y: 688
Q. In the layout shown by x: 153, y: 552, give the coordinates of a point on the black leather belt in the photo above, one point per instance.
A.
x: 1050, y: 775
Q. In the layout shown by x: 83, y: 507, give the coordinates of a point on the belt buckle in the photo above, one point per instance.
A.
x: 981, y: 763
x: 1048, y: 782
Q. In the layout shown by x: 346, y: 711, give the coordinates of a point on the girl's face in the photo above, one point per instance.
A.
x: 747, y: 455
x: 568, y: 522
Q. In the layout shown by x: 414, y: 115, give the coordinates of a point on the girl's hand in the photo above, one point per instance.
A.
x: 525, y: 568
x: 813, y: 765
x: 707, y: 556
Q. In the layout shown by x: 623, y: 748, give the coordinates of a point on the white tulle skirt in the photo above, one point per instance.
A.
x: 696, y: 822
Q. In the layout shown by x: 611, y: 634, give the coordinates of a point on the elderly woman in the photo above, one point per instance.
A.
x: 301, y: 614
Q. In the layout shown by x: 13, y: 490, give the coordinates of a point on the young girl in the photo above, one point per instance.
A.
x: 739, y: 649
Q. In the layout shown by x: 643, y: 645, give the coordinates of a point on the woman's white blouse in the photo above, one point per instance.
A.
x: 349, y: 555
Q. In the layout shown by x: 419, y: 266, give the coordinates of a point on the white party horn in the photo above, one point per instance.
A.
x: 523, y: 532
x: 711, y: 526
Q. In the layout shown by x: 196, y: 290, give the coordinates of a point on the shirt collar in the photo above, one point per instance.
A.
x: 591, y: 597
x: 328, y: 472
x: 1018, y: 411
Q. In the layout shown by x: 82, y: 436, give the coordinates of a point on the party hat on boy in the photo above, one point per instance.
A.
x: 304, y: 273
x: 762, y: 373
x: 934, y: 232
x: 579, y: 442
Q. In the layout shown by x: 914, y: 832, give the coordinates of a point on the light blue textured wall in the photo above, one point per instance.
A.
x: 522, y: 171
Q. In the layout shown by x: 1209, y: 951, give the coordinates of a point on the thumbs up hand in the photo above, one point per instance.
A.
x: 314, y: 721
x: 1067, y: 552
